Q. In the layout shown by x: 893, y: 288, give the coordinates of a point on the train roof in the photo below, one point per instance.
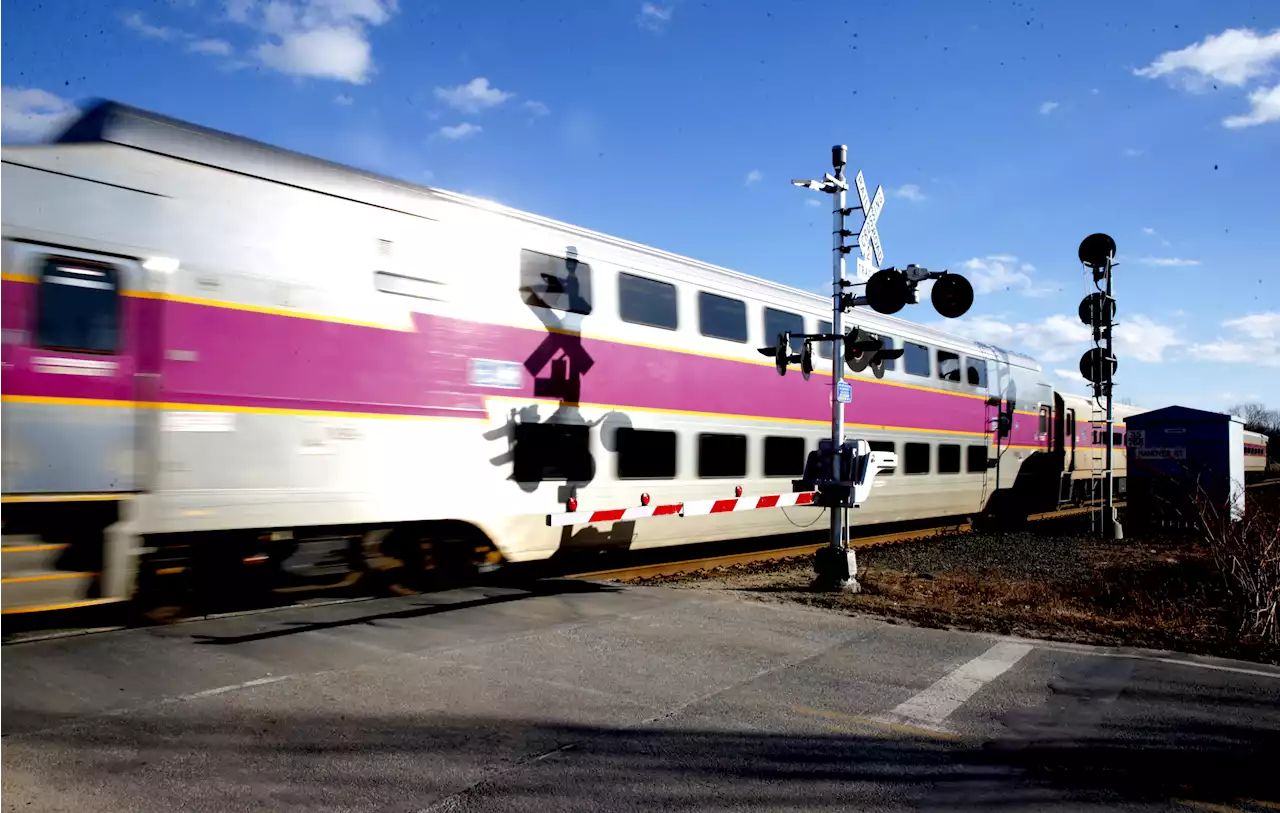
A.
x: 111, y: 122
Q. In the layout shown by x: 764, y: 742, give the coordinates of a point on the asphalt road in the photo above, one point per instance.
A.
x: 577, y: 696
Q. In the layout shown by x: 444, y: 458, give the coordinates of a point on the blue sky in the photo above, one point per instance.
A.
x: 1003, y: 133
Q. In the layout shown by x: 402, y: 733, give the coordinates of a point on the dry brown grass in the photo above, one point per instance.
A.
x: 1069, y: 585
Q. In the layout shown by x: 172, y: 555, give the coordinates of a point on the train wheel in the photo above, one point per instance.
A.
x: 394, y: 561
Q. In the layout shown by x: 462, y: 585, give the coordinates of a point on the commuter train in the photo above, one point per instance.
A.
x: 219, y: 354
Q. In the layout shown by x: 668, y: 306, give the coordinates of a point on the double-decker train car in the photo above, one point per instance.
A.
x: 1255, y: 456
x: 1079, y: 423
x: 220, y: 354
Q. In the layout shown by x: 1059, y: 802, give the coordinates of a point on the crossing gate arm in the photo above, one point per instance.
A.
x: 699, y: 508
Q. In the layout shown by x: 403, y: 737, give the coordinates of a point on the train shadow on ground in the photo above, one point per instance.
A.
x: 423, y: 758
x: 542, y: 587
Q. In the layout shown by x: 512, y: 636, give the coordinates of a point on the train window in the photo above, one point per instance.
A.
x: 552, y: 451
x: 1071, y: 426
x: 1096, y: 435
x: 824, y: 348
x: 883, y: 446
x: 721, y: 317
x: 1044, y: 421
x: 976, y: 459
x: 645, y: 454
x: 390, y: 283
x: 647, y: 301
x: 561, y: 283
x: 722, y: 455
x: 79, y: 306
x: 915, y: 359
x: 915, y: 458
x: 889, y: 364
x: 1117, y: 439
x: 776, y: 322
x: 976, y: 372
x: 948, y: 458
x: 948, y: 366
x: 783, y: 457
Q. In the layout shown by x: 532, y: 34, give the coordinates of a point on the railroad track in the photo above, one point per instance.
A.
x: 647, y: 571
x: 628, y: 573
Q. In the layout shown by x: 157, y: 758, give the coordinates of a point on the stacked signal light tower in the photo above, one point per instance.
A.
x: 1098, y: 365
x: 843, y: 469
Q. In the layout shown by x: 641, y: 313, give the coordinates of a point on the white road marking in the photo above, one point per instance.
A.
x: 224, y: 689
x: 930, y: 708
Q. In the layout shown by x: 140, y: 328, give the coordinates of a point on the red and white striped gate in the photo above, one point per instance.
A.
x: 698, y: 508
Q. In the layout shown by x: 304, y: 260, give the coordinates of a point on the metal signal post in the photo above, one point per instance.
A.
x: 1098, y: 366
x: 843, y: 470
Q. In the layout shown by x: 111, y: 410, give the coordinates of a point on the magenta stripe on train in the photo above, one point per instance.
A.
x: 249, y: 359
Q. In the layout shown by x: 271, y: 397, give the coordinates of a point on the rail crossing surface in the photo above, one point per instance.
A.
x: 577, y: 695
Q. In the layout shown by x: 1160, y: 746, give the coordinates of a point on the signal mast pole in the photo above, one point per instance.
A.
x: 1098, y: 366
x: 1110, y: 526
x: 839, y: 515
x: 844, y: 472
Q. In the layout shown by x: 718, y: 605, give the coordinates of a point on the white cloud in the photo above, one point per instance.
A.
x: 210, y: 47
x: 653, y: 16
x: 1233, y: 57
x: 323, y: 39
x: 1069, y: 375
x: 1048, y: 107
x: 1266, y: 108
x: 342, y: 99
x: 1261, y: 326
x: 138, y: 25
x: 31, y: 114
x: 754, y: 176
x: 474, y: 96
x: 1172, y: 262
x: 1060, y: 337
x: 1001, y: 272
x: 815, y: 203
x: 458, y: 132
x: 324, y: 53
x: 911, y: 192
x: 1148, y: 230
x: 1132, y: 152
x: 536, y: 108
x: 1141, y: 338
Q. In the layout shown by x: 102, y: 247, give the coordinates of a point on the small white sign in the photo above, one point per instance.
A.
x: 198, y: 422
x: 1162, y: 453
x: 507, y: 375
x: 844, y: 392
x: 73, y: 366
x: 865, y: 269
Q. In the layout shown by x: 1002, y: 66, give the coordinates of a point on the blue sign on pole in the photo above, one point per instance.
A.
x: 844, y: 392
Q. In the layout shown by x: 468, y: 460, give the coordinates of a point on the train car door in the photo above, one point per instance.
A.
x: 70, y: 365
x: 1071, y: 439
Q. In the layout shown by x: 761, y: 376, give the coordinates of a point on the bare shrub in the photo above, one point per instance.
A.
x: 1246, y: 553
